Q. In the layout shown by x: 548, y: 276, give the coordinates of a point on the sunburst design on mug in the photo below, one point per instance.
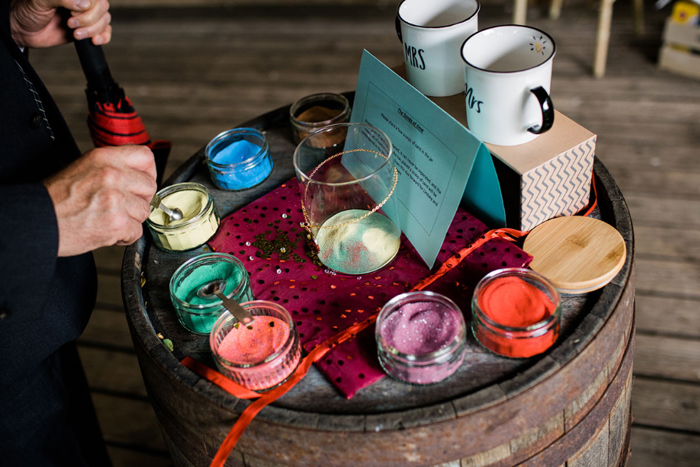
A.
x: 539, y: 45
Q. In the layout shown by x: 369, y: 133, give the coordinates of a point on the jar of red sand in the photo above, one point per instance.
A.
x: 261, y: 355
x: 421, y: 337
x: 516, y: 313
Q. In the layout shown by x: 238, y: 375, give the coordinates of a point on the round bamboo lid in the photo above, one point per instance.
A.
x: 578, y: 254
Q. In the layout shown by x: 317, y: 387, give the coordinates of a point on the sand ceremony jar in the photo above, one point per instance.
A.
x: 261, y: 355
x: 347, y: 196
x: 199, y: 222
x: 421, y: 337
x: 515, y: 313
x: 192, y: 289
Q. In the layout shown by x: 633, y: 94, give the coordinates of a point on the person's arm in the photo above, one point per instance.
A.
x: 28, y: 250
x: 102, y: 198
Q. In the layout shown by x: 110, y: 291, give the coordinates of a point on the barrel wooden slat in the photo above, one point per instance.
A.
x: 610, y: 413
x: 569, y: 405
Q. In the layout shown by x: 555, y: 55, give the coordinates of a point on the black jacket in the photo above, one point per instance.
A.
x: 45, y: 301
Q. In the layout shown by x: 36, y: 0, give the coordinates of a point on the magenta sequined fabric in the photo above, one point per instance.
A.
x: 266, y: 236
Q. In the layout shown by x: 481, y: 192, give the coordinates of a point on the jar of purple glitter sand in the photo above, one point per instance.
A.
x: 421, y: 337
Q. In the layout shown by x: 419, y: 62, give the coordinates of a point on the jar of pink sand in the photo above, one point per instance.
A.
x: 421, y: 337
x: 261, y: 355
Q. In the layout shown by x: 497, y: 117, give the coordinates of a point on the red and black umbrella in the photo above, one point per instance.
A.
x: 112, y: 119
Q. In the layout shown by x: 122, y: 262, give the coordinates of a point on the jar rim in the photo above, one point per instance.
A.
x: 176, y: 188
x: 227, y: 316
x: 246, y: 163
x: 542, y: 325
x: 420, y: 296
x: 319, y: 96
x: 306, y: 179
x: 216, y: 305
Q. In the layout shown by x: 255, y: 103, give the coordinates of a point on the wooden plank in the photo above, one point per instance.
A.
x: 109, y: 258
x: 658, y: 448
x: 667, y: 357
x: 666, y: 277
x: 114, y: 372
x: 645, y: 110
x: 107, y: 328
x: 668, y: 315
x: 679, y: 183
x: 659, y: 210
x: 672, y: 242
x: 128, y: 421
x: 635, y: 155
x: 125, y: 457
x: 666, y: 404
x: 109, y: 294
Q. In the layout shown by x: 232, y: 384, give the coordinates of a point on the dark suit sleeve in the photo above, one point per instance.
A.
x: 28, y: 250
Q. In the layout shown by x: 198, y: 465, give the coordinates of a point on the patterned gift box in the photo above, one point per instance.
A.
x: 547, y: 177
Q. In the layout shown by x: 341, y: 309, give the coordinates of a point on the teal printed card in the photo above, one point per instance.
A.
x: 440, y: 163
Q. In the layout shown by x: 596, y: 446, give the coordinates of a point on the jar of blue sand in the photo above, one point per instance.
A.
x: 238, y: 159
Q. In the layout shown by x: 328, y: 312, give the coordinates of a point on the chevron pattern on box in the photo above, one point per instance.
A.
x: 559, y: 187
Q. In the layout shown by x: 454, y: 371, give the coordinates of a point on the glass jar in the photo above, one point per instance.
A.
x: 313, y: 112
x: 261, y: 355
x: 193, y: 283
x: 347, y: 197
x: 199, y: 222
x: 421, y: 337
x: 238, y: 159
x: 516, y: 313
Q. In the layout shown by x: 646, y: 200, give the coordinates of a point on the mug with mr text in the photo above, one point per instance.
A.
x: 508, y: 74
x: 432, y: 33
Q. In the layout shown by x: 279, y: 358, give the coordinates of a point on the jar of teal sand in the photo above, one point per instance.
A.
x: 194, y: 284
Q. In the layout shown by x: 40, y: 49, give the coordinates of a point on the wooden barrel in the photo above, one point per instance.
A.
x: 570, y: 406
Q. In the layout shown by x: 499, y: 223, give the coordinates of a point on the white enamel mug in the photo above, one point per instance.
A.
x: 507, y: 76
x: 432, y: 32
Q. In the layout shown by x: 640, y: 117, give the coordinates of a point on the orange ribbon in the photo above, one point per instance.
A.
x: 270, y: 396
x: 314, y: 355
x: 321, y: 349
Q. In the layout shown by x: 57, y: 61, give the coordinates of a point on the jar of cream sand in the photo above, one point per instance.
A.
x: 260, y: 355
x: 199, y: 222
x: 193, y: 285
x: 238, y: 159
x: 421, y: 337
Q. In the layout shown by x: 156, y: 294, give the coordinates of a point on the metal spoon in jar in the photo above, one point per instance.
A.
x: 173, y: 214
x: 215, y: 288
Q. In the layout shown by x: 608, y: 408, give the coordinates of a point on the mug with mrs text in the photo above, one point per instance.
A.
x: 507, y: 76
x: 432, y: 33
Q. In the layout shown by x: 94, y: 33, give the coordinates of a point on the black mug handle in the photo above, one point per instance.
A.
x: 398, y: 28
x: 547, y: 111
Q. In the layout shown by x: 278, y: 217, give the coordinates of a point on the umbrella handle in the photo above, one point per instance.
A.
x: 92, y: 59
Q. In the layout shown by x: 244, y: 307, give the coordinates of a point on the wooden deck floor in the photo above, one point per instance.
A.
x: 192, y: 73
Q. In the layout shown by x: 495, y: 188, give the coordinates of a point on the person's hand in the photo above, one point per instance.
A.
x: 42, y: 23
x: 102, y: 198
